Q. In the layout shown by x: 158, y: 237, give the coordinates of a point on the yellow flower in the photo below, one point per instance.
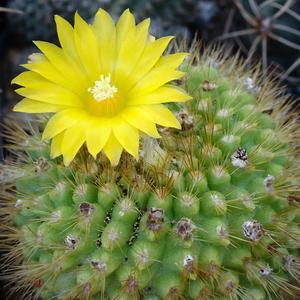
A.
x: 106, y: 85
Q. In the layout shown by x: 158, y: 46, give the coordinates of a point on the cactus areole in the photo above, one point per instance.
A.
x: 208, y: 211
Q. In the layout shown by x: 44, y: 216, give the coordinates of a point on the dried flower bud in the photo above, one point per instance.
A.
x: 184, y: 229
x: 253, y: 230
x: 239, y: 158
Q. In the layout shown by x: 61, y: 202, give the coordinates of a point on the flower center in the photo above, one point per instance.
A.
x: 102, y: 89
x: 105, y: 100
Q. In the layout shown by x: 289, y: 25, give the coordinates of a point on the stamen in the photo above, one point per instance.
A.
x: 102, y: 89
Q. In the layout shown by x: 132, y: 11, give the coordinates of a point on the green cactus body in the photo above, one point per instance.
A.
x: 208, y: 212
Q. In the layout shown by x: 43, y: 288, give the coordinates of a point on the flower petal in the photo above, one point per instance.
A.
x: 63, y: 120
x: 105, y: 32
x: 74, y: 138
x: 164, y: 67
x: 127, y: 135
x: 154, y: 80
x: 28, y: 105
x: 97, y: 134
x: 47, y: 72
x: 51, y: 93
x: 87, y: 47
x: 113, y: 150
x: 148, y: 59
x: 140, y: 119
x: 171, y: 61
x: 161, y: 115
x: 126, y: 62
x: 64, y: 64
x: 166, y: 93
x: 124, y: 25
x: 27, y: 77
x: 66, y: 37
x: 56, y: 145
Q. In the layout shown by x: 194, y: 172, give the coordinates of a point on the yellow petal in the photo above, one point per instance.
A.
x: 154, y: 80
x: 64, y: 64
x: 105, y: 32
x: 63, y: 120
x: 148, y: 59
x: 65, y: 33
x: 127, y: 135
x: 74, y: 138
x: 87, y: 47
x: 166, y: 93
x: 56, y: 145
x: 140, y: 119
x: 124, y: 25
x: 46, y: 71
x: 51, y: 93
x: 126, y: 61
x: 27, y: 77
x: 171, y: 61
x: 161, y: 115
x: 97, y: 134
x: 28, y: 105
x: 113, y: 150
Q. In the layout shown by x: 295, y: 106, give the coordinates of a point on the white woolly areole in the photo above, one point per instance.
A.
x: 219, y: 171
x: 144, y: 256
x: 247, y: 201
x: 223, y: 113
x: 112, y: 235
x: 203, y: 105
x: 59, y: 187
x: 81, y: 190
x: 187, y: 200
x: 126, y: 204
x: 215, y: 128
x: 36, y: 200
x: 39, y: 238
x: 247, y: 125
x: 265, y: 271
x: 100, y: 266
x: 106, y: 188
x: 217, y: 201
x: 18, y: 203
x: 229, y: 138
x: 187, y: 260
x: 56, y: 216
x: 268, y: 182
x: 222, y: 232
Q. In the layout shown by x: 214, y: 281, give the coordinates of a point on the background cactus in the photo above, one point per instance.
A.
x: 268, y: 29
x: 208, y: 212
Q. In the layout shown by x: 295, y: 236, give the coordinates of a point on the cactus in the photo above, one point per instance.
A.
x: 269, y: 29
x: 209, y: 211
